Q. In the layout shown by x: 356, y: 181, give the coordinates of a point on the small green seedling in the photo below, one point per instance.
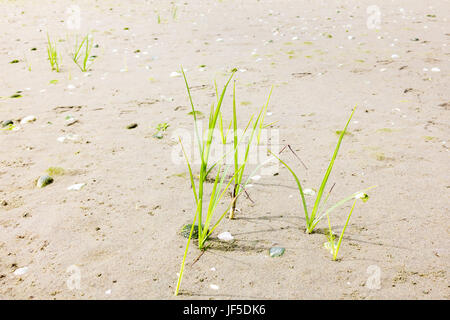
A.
x: 53, y: 56
x: 27, y: 62
x: 331, y: 244
x: 318, y: 212
x: 174, y: 12
x: 162, y: 127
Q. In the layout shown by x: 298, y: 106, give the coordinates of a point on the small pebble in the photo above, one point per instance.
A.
x: 70, y: 121
x: 276, y: 251
x: 158, y: 135
x: 76, y: 187
x: 44, y: 181
x: 6, y: 123
x: 186, y: 230
x: 132, y: 126
x: 21, y: 271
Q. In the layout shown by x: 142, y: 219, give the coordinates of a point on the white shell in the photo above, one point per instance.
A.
x: 225, y: 236
x: 28, y: 119
x: 76, y: 187
x: 21, y: 271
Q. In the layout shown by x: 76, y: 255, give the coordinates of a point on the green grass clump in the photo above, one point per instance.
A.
x: 318, y: 211
x: 83, y: 50
x: 53, y: 56
x: 205, y: 226
x: 203, y: 223
x: 160, y: 129
x: 55, y: 171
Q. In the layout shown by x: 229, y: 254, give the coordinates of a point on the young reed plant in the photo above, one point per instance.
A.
x: 318, y: 211
x: 53, y: 57
x: 331, y: 244
x: 83, y: 50
x: 202, y: 218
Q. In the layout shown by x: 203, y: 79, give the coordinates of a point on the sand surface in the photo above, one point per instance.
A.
x: 118, y: 236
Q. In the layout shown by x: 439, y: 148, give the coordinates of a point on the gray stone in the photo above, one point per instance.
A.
x: 276, y: 251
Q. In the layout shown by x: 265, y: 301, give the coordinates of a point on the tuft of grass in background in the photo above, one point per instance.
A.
x: 55, y: 171
x: 318, y: 212
x: 27, y: 63
x: 160, y: 129
x: 174, y: 12
x: 83, y: 50
x: 53, y: 56
x: 331, y: 244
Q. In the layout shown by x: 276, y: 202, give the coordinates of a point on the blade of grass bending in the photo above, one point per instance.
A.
x: 86, y: 54
x: 327, y: 173
x: 268, y: 125
x: 338, y: 204
x: 76, y: 55
x: 343, y: 230
x: 305, y: 208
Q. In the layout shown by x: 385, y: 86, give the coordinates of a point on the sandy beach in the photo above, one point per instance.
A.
x: 108, y: 226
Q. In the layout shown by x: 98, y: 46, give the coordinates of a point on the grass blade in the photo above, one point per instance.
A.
x: 327, y: 173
